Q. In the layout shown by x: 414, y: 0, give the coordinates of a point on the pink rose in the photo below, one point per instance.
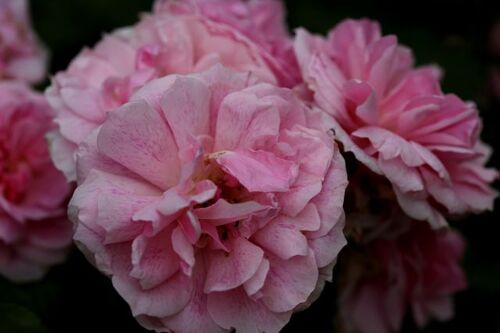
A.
x: 263, y: 21
x: 409, y: 267
x: 21, y: 55
x: 33, y: 231
x: 396, y: 120
x: 102, y: 79
x: 212, y: 202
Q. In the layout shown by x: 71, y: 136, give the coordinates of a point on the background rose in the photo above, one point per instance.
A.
x: 21, y: 55
x: 34, y: 233
x: 393, y: 267
x: 263, y: 21
x: 212, y: 202
x: 396, y: 120
x: 411, y: 269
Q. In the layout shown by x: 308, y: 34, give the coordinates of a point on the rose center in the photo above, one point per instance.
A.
x: 228, y: 189
x: 15, y: 177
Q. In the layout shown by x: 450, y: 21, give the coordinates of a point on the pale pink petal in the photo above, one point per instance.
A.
x: 233, y: 309
x: 153, y: 259
x: 327, y: 248
x: 61, y: 151
x: 184, y: 249
x: 178, y: 103
x: 194, y: 318
x: 245, y: 121
x: 256, y: 282
x: 223, y: 212
x: 289, y: 282
x: 150, y: 143
x: 259, y: 171
x: 153, y: 302
x: 283, y: 238
x: 228, y: 271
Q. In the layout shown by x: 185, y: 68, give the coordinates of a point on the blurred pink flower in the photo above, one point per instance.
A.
x: 411, y: 268
x: 262, y: 21
x: 396, y: 120
x: 494, y: 81
x: 33, y: 231
x: 213, y: 202
x: 494, y: 40
x: 21, y: 55
x: 166, y: 42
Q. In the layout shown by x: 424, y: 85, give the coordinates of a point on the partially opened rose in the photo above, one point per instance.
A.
x: 213, y: 202
x: 397, y: 121
x: 21, y: 55
x: 34, y: 233
x: 262, y: 21
x: 166, y: 42
x: 407, y: 268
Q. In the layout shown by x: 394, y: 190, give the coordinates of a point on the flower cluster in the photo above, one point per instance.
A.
x: 210, y: 186
x: 418, y: 161
x: 205, y: 145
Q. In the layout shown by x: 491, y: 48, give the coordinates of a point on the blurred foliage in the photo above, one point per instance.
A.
x: 452, y: 33
x: 15, y: 318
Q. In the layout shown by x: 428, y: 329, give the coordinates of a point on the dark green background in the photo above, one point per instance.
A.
x: 76, y: 298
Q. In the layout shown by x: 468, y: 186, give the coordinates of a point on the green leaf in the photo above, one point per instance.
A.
x: 484, y: 277
x: 16, y: 319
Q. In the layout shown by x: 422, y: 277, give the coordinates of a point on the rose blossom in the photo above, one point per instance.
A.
x: 396, y: 120
x: 407, y: 267
x: 212, y: 202
x: 21, y: 55
x: 394, y: 264
x: 33, y: 231
x: 100, y: 80
x: 263, y: 21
